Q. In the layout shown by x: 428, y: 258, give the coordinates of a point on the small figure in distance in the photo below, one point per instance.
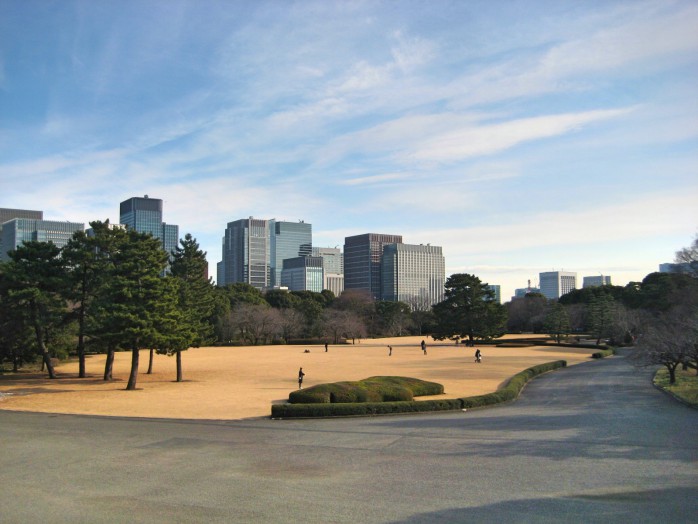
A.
x: 424, y: 347
x: 390, y: 350
x: 478, y: 356
x: 306, y: 351
x: 325, y: 347
x: 300, y: 378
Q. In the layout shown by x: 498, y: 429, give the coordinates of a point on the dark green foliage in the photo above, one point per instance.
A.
x: 373, y: 389
x: 557, y: 321
x: 32, y: 284
x: 469, y: 311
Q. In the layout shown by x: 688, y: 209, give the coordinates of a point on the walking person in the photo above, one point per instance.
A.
x: 478, y: 356
x: 325, y: 347
x: 424, y: 347
x: 300, y: 378
x: 390, y: 350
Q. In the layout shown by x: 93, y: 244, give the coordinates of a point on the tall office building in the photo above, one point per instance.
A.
x: 7, y: 214
x: 288, y: 240
x: 332, y: 268
x: 302, y: 274
x: 246, y: 253
x: 362, y: 261
x: 554, y: 284
x: 254, y: 250
x: 145, y: 216
x: 414, y: 274
x: 19, y: 230
x: 596, y: 281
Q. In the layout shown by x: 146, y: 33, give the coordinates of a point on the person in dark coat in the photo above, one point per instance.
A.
x: 478, y: 356
x: 300, y: 378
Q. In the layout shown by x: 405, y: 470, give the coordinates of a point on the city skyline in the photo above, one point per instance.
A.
x: 522, y: 137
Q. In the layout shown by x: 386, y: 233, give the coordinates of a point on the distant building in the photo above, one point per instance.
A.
x: 596, y: 281
x: 254, y: 251
x: 554, y: 284
x: 497, y: 289
x: 287, y: 240
x: 414, y: 274
x: 362, y: 261
x: 332, y: 268
x: 246, y: 254
x: 19, y: 230
x: 684, y: 267
x: 144, y: 214
x: 302, y: 274
x: 7, y: 214
x: 523, y: 291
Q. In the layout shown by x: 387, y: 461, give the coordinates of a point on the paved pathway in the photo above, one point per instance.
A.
x: 591, y: 443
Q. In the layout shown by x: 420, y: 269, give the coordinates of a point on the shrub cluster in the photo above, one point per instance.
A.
x: 327, y: 409
x: 604, y: 353
x: 373, y: 389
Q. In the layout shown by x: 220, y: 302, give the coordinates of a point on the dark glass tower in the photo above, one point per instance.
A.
x: 288, y: 240
x: 362, y: 261
x: 145, y: 216
x: 245, y: 253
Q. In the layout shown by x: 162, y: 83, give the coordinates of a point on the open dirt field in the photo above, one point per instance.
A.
x: 227, y: 383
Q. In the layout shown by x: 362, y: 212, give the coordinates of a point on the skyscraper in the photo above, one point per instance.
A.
x: 554, y: 284
x: 145, y: 216
x: 414, y: 274
x: 254, y: 250
x: 362, y: 261
x: 19, y: 230
x: 288, y: 240
x: 246, y: 254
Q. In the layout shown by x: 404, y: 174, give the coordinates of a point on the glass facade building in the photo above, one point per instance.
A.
x: 144, y: 215
x: 303, y: 274
x: 332, y: 268
x: 414, y: 274
x: 362, y: 261
x: 254, y: 250
x: 19, y: 230
x: 7, y: 214
x: 288, y: 240
x: 246, y: 253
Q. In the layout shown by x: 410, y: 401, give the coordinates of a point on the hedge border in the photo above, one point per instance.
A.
x: 509, y: 392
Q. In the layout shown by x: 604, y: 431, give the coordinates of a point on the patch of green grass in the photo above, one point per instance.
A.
x: 685, y: 388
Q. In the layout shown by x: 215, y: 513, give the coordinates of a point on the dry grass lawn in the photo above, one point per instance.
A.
x: 227, y: 383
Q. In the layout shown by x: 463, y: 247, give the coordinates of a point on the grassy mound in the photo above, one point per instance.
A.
x: 327, y: 409
x: 372, y: 389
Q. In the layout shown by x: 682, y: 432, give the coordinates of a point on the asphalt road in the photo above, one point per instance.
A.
x: 590, y: 443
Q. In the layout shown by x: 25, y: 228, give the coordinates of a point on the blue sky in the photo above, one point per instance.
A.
x: 522, y: 136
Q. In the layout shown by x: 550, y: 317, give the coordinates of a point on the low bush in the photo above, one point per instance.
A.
x: 326, y: 409
x: 604, y: 353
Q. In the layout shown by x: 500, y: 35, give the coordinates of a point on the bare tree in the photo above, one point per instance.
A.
x: 670, y: 342
x: 688, y: 258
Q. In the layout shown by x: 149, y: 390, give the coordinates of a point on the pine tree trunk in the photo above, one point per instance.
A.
x: 44, y: 351
x: 672, y: 374
x: 81, y: 356
x: 109, y: 364
x: 179, y: 366
x: 150, y: 363
x: 135, y: 353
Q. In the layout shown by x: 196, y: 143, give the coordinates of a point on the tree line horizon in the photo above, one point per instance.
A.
x: 105, y: 292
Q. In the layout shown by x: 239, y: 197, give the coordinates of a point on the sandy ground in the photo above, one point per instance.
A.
x: 227, y: 383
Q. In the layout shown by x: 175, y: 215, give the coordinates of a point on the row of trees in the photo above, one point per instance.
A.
x: 104, y: 292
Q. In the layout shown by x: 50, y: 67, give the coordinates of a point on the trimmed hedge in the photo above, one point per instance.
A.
x: 509, y: 392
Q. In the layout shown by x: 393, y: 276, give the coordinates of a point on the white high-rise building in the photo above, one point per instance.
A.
x: 414, y: 274
x: 554, y: 284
